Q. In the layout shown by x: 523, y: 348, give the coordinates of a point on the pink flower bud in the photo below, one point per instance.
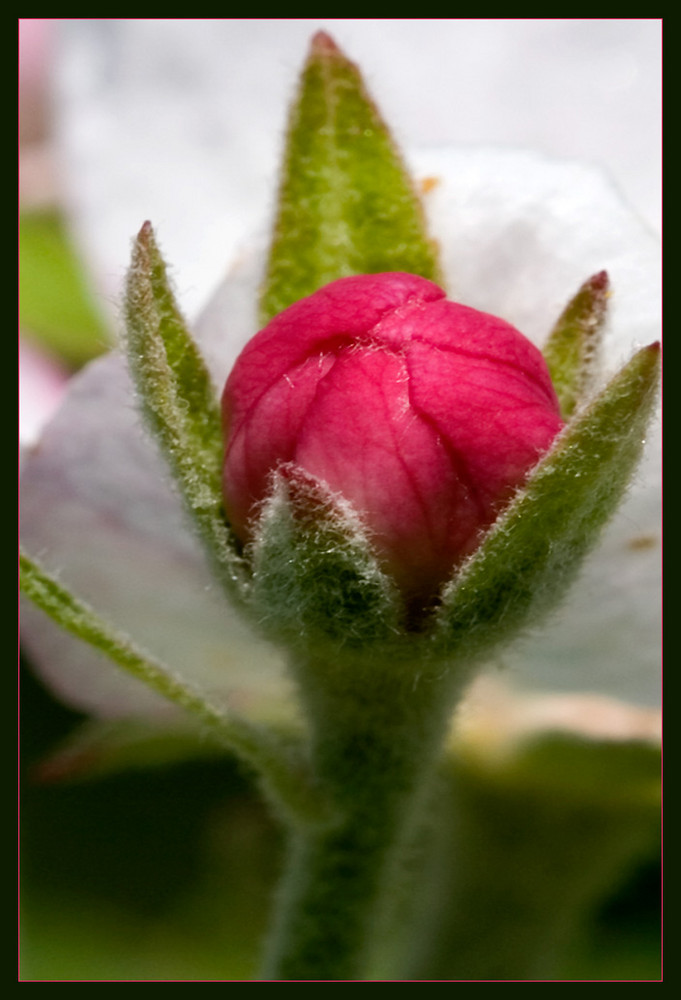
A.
x: 424, y: 414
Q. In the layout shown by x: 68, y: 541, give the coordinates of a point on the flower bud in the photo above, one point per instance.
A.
x: 424, y: 414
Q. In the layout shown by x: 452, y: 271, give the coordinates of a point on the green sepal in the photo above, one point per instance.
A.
x: 346, y: 202
x: 178, y: 401
x: 571, y: 352
x: 316, y: 585
x: 535, y: 549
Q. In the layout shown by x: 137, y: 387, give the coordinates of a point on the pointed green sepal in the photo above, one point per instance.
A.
x: 346, y: 202
x: 571, y: 352
x: 316, y: 583
x: 535, y: 549
x: 178, y: 400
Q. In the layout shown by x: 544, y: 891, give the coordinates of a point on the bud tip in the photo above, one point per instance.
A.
x: 600, y: 282
x: 323, y: 43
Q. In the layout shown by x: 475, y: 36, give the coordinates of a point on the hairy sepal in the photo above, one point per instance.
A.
x: 316, y: 584
x: 572, y: 349
x: 347, y: 204
x: 178, y: 401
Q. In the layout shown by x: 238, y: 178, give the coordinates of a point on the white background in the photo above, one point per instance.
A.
x: 181, y: 121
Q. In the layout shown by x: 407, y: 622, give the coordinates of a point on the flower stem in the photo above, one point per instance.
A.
x: 376, y: 736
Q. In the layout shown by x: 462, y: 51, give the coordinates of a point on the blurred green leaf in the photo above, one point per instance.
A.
x: 57, y: 307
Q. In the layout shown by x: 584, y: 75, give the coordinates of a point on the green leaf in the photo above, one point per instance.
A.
x: 277, y: 759
x: 534, y: 550
x: 316, y: 582
x: 178, y: 401
x: 571, y: 351
x: 346, y: 202
x: 57, y: 306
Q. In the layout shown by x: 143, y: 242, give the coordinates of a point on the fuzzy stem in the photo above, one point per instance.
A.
x: 376, y: 736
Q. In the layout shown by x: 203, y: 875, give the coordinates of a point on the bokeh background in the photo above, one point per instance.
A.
x: 182, y: 120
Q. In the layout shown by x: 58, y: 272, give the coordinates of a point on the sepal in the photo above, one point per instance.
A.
x: 572, y: 349
x: 316, y: 584
x: 347, y: 204
x: 178, y: 402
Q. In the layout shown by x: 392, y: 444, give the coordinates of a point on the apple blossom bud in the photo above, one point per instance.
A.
x: 424, y: 414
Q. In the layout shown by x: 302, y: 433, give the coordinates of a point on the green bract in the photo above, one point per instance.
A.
x: 178, y: 400
x: 572, y: 350
x: 316, y: 583
x: 346, y: 203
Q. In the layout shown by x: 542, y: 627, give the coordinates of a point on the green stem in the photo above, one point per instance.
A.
x: 377, y: 731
